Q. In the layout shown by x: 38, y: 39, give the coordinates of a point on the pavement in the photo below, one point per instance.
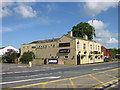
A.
x: 62, y: 76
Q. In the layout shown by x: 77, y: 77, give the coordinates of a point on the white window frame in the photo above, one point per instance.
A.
x: 77, y: 45
x: 58, y: 56
x: 84, y: 46
x: 41, y: 46
x: 91, y: 47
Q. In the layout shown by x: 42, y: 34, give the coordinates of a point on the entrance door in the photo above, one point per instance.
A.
x: 78, y: 59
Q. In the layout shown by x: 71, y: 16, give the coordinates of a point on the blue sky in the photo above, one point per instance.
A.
x: 27, y: 22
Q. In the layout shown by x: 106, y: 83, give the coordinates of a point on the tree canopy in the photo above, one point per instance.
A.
x: 27, y: 56
x: 84, y: 29
x: 10, y: 56
x: 113, y: 52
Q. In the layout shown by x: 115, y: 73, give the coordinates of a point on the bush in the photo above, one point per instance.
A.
x: 82, y: 56
x: 96, y: 57
x: 85, y: 52
x: 10, y: 56
x: 107, y: 60
x: 26, y: 57
x: 90, y: 56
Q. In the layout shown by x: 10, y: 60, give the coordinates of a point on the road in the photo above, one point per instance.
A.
x: 78, y: 76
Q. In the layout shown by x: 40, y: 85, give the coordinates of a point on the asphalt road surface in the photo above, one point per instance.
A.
x: 78, y: 76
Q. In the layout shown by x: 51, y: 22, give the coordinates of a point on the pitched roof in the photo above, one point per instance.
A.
x: 56, y: 39
x: 2, y: 47
x: 78, y: 38
x: 44, y: 41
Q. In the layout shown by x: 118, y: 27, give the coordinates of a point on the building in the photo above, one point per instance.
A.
x: 3, y: 50
x: 106, y: 52
x: 67, y: 49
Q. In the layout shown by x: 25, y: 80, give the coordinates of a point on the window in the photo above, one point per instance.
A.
x: 38, y: 46
x: 58, y: 56
x: 91, y: 58
x: 98, y: 56
x: 90, y: 47
x: 41, y: 46
x: 84, y: 46
x: 23, y: 47
x: 65, y: 56
x: 98, y: 48
x: 53, y: 45
x: 64, y: 44
x: 27, y: 46
x: 45, y: 46
x: 33, y: 47
x: 51, y: 56
x: 77, y: 45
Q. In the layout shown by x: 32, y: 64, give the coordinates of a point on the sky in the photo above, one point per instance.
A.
x: 24, y: 22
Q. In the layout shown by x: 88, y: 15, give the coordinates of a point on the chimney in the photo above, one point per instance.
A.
x: 70, y: 33
x: 85, y: 37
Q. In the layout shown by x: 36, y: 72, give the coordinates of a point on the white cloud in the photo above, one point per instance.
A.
x: 94, y: 8
x: 103, y: 36
x: 112, y: 40
x: 25, y: 11
x: 5, y: 11
x: 7, y: 29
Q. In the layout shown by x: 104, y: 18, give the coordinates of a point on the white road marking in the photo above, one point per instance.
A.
x: 102, y: 68
x: 30, y: 76
x: 52, y: 77
x: 59, y: 72
x: 22, y: 72
x: 22, y: 66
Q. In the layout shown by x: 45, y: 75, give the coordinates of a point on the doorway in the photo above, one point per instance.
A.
x: 78, y: 59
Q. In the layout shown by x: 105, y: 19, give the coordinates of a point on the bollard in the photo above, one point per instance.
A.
x: 30, y: 64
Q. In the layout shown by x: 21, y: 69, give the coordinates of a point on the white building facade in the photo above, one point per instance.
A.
x: 3, y: 50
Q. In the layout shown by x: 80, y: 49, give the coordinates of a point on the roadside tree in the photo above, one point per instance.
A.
x: 26, y: 57
x: 10, y: 57
x: 84, y: 29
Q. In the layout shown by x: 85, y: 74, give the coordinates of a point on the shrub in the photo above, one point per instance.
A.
x: 96, y: 56
x: 85, y: 52
x: 10, y: 56
x: 107, y: 60
x: 90, y: 56
x: 82, y: 56
x: 26, y: 57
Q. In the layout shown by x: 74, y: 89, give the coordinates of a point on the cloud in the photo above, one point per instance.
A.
x: 112, y: 40
x: 5, y: 11
x: 7, y: 29
x: 103, y: 36
x: 94, y: 8
x: 25, y: 11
